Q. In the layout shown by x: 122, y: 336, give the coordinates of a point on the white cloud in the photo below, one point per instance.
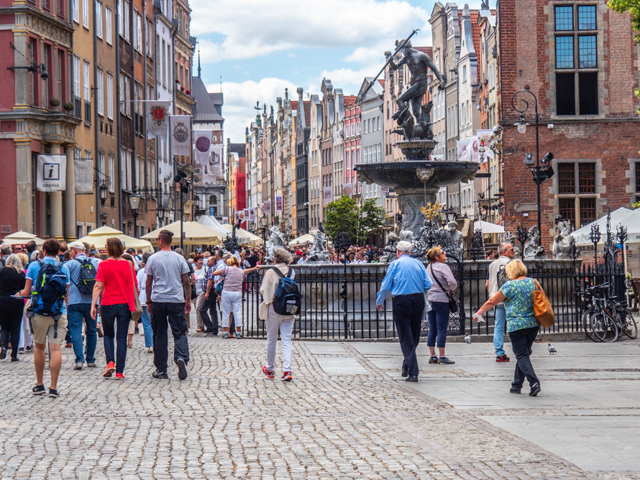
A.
x: 240, y: 100
x: 253, y: 28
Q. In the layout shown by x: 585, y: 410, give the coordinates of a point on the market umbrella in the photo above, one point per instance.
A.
x: 99, y: 236
x: 487, y: 227
x: 20, y: 238
x: 194, y: 234
x: 212, y: 222
x: 243, y: 235
x: 622, y: 216
x: 305, y: 239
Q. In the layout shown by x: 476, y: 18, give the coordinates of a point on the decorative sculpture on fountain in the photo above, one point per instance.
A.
x: 563, y: 243
x: 275, y: 240
x: 390, y: 249
x: 318, y: 252
x: 532, y: 249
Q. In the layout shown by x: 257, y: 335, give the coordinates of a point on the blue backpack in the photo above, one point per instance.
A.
x: 287, y: 300
x: 49, y: 291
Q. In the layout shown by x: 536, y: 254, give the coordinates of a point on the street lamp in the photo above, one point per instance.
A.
x: 540, y: 173
x: 104, y: 194
x: 264, y: 222
x: 134, y: 204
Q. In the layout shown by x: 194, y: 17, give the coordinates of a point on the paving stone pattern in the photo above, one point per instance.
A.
x: 228, y: 421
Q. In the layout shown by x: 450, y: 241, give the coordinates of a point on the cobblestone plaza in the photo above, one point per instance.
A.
x: 347, y: 414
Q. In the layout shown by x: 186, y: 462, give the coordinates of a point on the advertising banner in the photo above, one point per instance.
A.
x: 266, y: 207
x: 202, y: 139
x: 157, y: 114
x: 83, y: 169
x: 51, y: 173
x: 278, y: 203
x: 252, y: 214
x: 180, y: 134
x: 212, y: 167
x: 326, y: 194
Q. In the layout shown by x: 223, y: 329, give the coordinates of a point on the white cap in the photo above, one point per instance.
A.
x: 404, y: 246
x: 78, y: 245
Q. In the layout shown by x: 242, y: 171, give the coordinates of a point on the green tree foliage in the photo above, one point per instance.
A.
x: 344, y: 215
x: 633, y: 7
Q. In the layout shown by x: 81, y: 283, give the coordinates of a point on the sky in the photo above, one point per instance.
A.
x: 252, y: 50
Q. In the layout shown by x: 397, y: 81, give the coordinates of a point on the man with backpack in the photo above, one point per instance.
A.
x: 82, y: 271
x: 497, y: 278
x: 48, y: 313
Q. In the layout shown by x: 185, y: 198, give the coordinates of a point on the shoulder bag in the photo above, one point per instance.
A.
x: 137, y: 313
x: 542, y: 309
x: 220, y: 286
x: 453, y: 305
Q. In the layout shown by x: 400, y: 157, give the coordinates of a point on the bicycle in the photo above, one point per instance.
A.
x: 599, y: 320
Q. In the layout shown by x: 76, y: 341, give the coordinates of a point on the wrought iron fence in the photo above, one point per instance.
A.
x: 339, y: 302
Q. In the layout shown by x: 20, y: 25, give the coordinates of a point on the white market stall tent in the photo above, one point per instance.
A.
x: 21, y: 238
x: 622, y: 216
x: 212, y: 222
x: 244, y: 236
x: 194, y: 234
x: 487, y: 228
x: 305, y: 239
x: 99, y: 236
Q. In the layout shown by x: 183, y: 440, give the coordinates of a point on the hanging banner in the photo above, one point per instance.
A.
x: 246, y: 214
x: 326, y: 194
x: 252, y: 214
x: 278, y: 203
x: 463, y: 151
x: 212, y: 167
x: 485, y: 142
x: 83, y: 170
x: 474, y: 154
x: 347, y: 189
x: 239, y: 216
x: 202, y: 140
x: 51, y: 173
x: 180, y: 134
x: 266, y: 207
x: 157, y: 114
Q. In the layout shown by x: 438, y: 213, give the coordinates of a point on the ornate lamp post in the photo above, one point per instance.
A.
x: 540, y: 173
x: 595, y: 237
x: 522, y: 235
x: 134, y: 204
x: 104, y: 194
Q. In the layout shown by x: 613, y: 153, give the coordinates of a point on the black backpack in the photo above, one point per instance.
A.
x: 287, y: 300
x: 502, y: 276
x: 50, y: 289
x: 86, y: 276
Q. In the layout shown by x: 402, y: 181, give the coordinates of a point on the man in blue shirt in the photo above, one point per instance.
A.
x: 79, y: 307
x: 406, y: 280
x: 44, y: 327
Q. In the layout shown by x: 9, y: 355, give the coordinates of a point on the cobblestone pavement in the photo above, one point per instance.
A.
x: 228, y: 421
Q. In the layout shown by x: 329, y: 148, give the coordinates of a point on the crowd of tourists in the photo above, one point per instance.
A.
x: 66, y: 294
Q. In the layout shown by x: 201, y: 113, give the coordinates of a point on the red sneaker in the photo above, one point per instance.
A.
x: 287, y: 377
x: 111, y: 367
x: 119, y: 376
x: 502, y: 358
x: 268, y: 373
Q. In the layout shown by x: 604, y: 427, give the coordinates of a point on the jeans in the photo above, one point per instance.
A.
x: 75, y: 315
x: 11, y: 323
x: 498, y: 331
x: 231, y: 301
x: 115, y: 321
x: 407, y: 315
x: 284, y: 324
x: 521, y: 342
x: 162, y: 316
x: 146, y: 326
x: 208, y: 313
x: 438, y: 324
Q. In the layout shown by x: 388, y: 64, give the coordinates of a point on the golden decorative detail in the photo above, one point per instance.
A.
x: 431, y: 211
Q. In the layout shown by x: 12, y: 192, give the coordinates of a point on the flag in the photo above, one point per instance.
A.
x: 266, y: 207
x: 83, y: 169
x: 474, y: 149
x: 252, y: 214
x: 246, y: 214
x: 463, y: 151
x: 157, y: 119
x: 51, y: 173
x: 180, y: 134
x: 346, y: 189
x: 485, y: 142
x: 278, y: 203
x: 202, y: 145
x: 326, y: 194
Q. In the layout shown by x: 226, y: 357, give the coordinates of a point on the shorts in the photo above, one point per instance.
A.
x: 43, y: 329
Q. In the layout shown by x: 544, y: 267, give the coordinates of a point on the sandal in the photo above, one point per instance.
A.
x: 199, y: 330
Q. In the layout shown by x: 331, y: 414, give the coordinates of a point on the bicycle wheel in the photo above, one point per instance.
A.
x: 586, y: 325
x: 628, y: 325
x: 604, y: 327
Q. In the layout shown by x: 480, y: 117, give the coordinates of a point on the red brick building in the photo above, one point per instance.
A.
x: 581, y: 61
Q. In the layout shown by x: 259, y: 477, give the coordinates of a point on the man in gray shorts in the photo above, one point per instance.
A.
x: 44, y: 327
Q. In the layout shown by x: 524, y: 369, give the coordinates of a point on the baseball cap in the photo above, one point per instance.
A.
x: 78, y: 245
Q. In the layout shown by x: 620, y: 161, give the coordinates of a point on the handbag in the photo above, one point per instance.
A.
x: 542, y: 309
x: 137, y: 313
x: 453, y: 305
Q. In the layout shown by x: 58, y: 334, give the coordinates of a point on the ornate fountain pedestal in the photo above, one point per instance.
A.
x: 416, y: 181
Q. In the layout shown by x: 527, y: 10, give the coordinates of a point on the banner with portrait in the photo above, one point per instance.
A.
x: 326, y: 195
x: 266, y: 207
x: 212, y: 167
x: 485, y: 142
x: 252, y: 214
x: 278, y: 203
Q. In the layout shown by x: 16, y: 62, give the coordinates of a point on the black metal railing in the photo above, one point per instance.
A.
x: 339, y: 302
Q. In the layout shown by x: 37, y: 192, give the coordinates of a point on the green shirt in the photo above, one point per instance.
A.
x: 519, y: 304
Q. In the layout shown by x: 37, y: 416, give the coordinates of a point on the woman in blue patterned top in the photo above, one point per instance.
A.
x: 522, y: 326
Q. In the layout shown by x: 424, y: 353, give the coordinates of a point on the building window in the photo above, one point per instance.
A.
x: 99, y: 19
x: 577, y: 189
x: 576, y: 49
x: 100, y: 92
x: 85, y: 13
x: 110, y: 96
x: 139, y: 33
x: 87, y: 82
x: 112, y: 178
x: 76, y: 11
x: 108, y: 16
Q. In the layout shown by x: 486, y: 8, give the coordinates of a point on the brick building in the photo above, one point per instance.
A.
x: 581, y: 61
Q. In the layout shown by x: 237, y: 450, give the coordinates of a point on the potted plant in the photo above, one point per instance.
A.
x: 68, y: 106
x: 54, y: 102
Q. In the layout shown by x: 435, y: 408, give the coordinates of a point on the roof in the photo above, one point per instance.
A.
x: 208, y: 107
x: 239, y: 148
x: 427, y: 50
x: 349, y: 100
x: 381, y: 83
x: 294, y: 105
x: 475, y: 33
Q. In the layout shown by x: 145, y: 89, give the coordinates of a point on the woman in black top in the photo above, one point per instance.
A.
x: 11, y: 281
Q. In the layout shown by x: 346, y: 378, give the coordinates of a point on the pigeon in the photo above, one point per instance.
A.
x: 552, y: 349
x: 467, y: 338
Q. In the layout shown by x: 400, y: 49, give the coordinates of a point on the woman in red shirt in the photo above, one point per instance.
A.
x: 114, y: 291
